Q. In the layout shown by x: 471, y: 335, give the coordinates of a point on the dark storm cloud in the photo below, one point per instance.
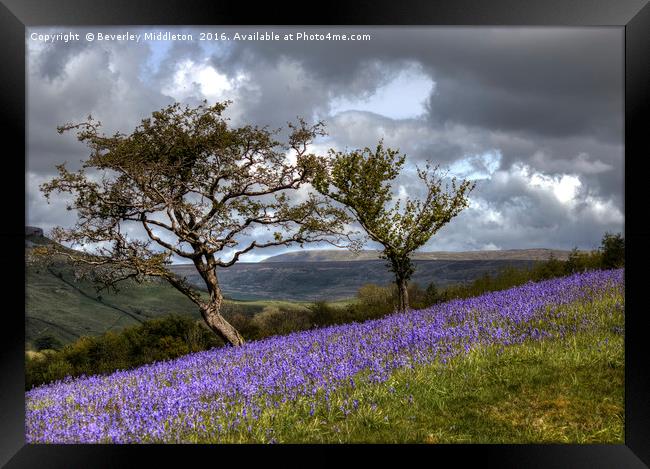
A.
x: 559, y: 83
x: 102, y: 81
x: 550, y: 97
x: 542, y: 81
x: 66, y: 83
x: 549, y: 100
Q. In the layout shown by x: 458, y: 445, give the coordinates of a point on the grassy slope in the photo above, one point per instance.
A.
x: 542, y: 393
x: 54, y: 307
x: 66, y: 312
x: 554, y: 391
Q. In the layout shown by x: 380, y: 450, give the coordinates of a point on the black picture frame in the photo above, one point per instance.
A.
x: 633, y: 15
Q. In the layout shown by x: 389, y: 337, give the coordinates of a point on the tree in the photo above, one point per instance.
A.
x: 612, y: 249
x: 195, y: 189
x: 361, y: 181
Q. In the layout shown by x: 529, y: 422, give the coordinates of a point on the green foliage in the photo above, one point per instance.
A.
x: 197, y: 187
x: 376, y: 299
x: 612, y: 250
x: 273, y: 321
x: 431, y: 294
x: 155, y: 340
x: 47, y: 342
x: 361, y: 181
x: 610, y: 255
x: 580, y: 261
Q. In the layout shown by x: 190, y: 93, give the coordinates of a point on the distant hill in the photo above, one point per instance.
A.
x: 336, y: 280
x: 342, y: 255
x: 58, y: 304
x: 34, y: 237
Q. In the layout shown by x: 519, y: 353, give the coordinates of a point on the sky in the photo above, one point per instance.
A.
x: 533, y: 115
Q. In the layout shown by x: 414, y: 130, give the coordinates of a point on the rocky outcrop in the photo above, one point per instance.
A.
x: 33, y: 231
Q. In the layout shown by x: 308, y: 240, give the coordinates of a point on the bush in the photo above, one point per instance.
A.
x: 273, y: 321
x: 47, y: 342
x: 612, y: 250
x: 377, y: 300
x: 245, y: 325
x: 155, y: 340
x: 323, y: 314
x: 552, y: 268
x: 581, y: 261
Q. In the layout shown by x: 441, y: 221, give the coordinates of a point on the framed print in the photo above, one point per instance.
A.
x: 391, y: 224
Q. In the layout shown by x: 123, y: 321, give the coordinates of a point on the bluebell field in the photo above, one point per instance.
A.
x: 186, y: 399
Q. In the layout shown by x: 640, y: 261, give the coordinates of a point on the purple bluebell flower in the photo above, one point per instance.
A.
x: 202, y: 395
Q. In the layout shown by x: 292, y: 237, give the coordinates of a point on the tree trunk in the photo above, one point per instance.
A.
x: 402, y: 295
x: 219, y: 325
x: 211, y: 311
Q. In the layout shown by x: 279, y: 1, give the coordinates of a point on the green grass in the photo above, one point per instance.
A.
x: 554, y: 391
x: 251, y: 307
x: 57, y: 308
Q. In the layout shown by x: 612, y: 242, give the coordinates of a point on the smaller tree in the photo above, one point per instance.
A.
x: 361, y: 181
x: 612, y: 248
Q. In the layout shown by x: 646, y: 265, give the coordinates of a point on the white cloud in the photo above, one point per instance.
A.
x: 404, y: 96
x: 542, y: 182
x: 564, y: 187
x: 490, y: 247
x: 474, y: 167
x: 604, y: 211
x: 191, y: 78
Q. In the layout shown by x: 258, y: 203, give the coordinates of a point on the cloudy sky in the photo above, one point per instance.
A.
x: 534, y: 115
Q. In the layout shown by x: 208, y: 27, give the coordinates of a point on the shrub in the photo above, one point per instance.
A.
x: 155, y: 340
x: 377, y: 300
x: 47, y: 342
x: 581, y: 261
x: 273, y: 321
x: 612, y: 250
x: 244, y: 324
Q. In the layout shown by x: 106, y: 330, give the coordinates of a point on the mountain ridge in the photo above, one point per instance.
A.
x: 335, y: 255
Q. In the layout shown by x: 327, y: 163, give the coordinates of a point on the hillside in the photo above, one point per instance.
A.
x: 342, y: 255
x: 56, y: 304
x: 542, y: 362
x: 59, y: 305
x: 336, y: 280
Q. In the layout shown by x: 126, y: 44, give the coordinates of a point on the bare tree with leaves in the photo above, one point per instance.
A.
x: 361, y: 181
x: 195, y: 189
